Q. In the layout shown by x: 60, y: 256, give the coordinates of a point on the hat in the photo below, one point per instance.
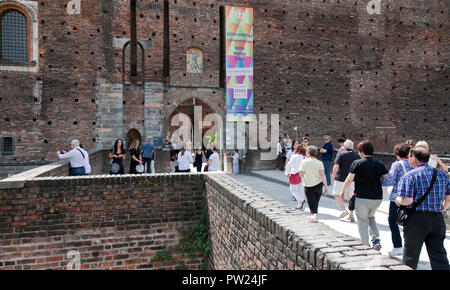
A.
x: 326, y: 137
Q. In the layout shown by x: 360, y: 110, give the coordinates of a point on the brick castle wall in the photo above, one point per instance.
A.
x: 327, y: 67
x: 127, y: 222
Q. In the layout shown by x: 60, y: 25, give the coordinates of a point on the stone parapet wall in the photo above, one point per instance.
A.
x: 106, y: 222
x: 251, y: 231
x: 8, y: 169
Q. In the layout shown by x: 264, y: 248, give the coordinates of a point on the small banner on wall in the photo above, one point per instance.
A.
x: 239, y: 63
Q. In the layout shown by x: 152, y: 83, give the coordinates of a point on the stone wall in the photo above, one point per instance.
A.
x: 251, y: 231
x: 100, y: 222
x: 8, y: 169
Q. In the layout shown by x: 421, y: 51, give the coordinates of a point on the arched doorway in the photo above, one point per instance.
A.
x: 131, y: 135
x: 188, y: 108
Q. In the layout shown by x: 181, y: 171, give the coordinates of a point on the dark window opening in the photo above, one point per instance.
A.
x: 7, y: 145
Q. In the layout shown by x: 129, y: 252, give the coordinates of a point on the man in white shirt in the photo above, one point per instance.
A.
x: 184, y: 160
x: 87, y: 165
x: 214, y: 161
x: 77, y: 158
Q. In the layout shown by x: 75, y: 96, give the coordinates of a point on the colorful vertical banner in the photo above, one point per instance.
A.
x: 239, y: 63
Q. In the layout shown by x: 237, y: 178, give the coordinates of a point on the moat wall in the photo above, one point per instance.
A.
x: 138, y: 222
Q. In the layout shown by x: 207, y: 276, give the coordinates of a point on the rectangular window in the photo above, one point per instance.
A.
x: 7, y: 146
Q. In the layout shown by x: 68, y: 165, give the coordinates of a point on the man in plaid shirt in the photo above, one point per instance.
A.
x: 426, y: 223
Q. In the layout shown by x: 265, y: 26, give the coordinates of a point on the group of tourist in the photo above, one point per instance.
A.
x: 142, y: 158
x: 359, y: 178
x: 181, y: 161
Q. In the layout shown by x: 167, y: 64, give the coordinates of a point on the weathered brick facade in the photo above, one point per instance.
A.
x: 325, y: 66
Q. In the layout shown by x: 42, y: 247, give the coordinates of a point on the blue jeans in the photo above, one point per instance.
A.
x: 395, y: 231
x: 327, y: 166
x: 149, y: 164
x: 77, y: 171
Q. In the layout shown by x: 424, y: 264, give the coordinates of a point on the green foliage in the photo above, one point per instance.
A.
x: 181, y: 266
x: 213, y: 138
x: 162, y: 256
x: 194, y: 241
x: 144, y: 183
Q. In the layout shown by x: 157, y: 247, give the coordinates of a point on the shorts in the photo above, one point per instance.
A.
x: 337, y: 187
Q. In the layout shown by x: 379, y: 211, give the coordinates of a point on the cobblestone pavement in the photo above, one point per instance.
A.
x: 329, y: 211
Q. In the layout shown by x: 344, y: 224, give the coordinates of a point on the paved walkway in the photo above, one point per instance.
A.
x: 273, y: 183
x: 278, y: 176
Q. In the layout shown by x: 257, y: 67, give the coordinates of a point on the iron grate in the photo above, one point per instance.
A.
x: 14, y: 37
x: 8, y: 144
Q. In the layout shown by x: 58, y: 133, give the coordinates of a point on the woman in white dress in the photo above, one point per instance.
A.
x: 295, y: 180
x: 289, y: 154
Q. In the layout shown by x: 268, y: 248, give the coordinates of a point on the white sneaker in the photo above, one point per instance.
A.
x: 395, y: 252
x: 343, y: 214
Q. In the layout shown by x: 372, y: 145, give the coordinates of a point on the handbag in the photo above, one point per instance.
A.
x: 139, y: 168
x: 295, y: 179
x: 115, y: 167
x: 403, y: 212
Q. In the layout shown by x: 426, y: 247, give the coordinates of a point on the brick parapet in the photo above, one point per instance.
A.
x: 250, y: 230
x: 112, y: 222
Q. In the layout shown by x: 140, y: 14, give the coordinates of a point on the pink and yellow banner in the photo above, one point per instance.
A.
x: 239, y: 63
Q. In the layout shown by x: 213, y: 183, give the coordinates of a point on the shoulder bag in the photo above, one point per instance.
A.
x: 403, y: 212
x: 295, y: 179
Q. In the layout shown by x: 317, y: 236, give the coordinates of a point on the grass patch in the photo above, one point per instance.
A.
x: 163, y: 256
x: 194, y: 241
